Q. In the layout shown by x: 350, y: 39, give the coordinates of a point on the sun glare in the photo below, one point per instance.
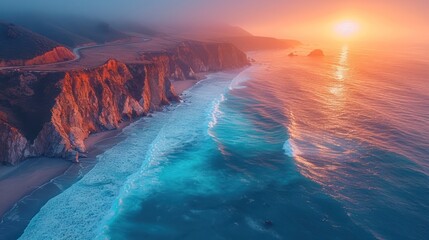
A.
x: 346, y: 29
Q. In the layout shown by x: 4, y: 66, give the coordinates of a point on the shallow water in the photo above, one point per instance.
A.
x: 292, y: 148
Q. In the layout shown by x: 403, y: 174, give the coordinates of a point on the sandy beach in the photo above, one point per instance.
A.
x: 18, y: 181
x: 180, y: 86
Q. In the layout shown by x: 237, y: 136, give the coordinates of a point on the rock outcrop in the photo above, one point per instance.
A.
x: 58, y: 54
x: 52, y: 113
x: 316, y: 53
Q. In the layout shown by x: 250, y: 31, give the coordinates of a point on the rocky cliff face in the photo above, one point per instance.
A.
x: 51, y: 114
x: 192, y: 57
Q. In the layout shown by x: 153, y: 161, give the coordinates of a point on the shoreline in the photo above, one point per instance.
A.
x: 96, y: 194
x: 38, y: 185
x: 32, y: 174
x: 16, y: 182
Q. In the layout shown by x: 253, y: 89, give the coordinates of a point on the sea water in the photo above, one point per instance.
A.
x: 291, y: 148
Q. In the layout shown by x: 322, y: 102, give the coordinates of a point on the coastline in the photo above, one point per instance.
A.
x: 95, y: 194
x: 39, y: 180
x: 24, y: 180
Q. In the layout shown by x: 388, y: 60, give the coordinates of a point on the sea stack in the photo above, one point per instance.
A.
x: 316, y: 53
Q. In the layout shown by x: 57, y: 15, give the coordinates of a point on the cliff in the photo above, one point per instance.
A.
x: 52, y: 113
x: 191, y: 57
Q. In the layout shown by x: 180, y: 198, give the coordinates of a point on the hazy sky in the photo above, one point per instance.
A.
x: 281, y: 18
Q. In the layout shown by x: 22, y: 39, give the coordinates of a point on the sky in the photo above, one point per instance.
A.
x: 298, y: 19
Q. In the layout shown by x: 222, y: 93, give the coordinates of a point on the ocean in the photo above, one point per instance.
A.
x: 290, y: 148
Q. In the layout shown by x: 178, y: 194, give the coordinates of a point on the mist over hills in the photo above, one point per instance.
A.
x: 253, y: 43
x: 26, y: 36
x: 70, y: 31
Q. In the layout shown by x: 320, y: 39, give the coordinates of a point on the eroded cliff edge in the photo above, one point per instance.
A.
x: 52, y: 113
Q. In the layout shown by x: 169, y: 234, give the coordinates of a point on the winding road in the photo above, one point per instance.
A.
x: 77, y: 53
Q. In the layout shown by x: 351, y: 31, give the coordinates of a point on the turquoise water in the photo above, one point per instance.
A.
x: 291, y: 148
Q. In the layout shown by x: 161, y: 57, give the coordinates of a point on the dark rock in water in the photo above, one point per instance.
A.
x: 316, y: 53
x: 292, y: 54
x: 268, y: 223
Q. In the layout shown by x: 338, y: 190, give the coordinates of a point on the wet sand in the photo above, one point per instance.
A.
x: 180, y: 86
x: 16, y: 182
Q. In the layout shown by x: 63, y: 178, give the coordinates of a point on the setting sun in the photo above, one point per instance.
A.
x: 346, y: 29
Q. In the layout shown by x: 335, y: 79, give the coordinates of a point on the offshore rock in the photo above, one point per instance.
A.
x: 316, y: 53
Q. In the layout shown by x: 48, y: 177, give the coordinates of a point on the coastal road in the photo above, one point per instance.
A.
x: 76, y: 50
x: 65, y: 65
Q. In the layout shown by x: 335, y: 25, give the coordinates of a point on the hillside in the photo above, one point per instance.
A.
x: 252, y: 43
x: 19, y: 43
x: 70, y: 31
x: 96, y: 31
x: 239, y: 37
x: 57, y: 33
x: 206, y: 32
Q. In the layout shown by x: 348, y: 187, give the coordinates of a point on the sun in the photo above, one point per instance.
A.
x: 346, y: 29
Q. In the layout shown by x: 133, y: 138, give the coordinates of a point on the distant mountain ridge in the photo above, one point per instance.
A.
x: 253, y: 43
x: 238, y: 36
x: 41, y: 40
x: 70, y: 31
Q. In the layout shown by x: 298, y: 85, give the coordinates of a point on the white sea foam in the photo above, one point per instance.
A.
x: 242, y: 77
x: 216, y: 112
x: 257, y: 226
x: 290, y: 148
x: 183, y: 127
x: 76, y: 212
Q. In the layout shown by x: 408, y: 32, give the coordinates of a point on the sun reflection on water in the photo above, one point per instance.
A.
x: 340, y: 74
x: 307, y: 147
x: 341, y: 69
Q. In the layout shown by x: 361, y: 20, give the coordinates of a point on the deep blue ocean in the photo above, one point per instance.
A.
x: 290, y: 148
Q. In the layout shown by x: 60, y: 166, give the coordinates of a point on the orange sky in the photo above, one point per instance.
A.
x: 377, y: 20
